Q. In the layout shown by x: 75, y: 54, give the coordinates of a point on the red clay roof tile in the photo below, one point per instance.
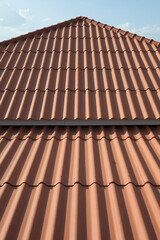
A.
x: 80, y: 212
x: 75, y: 61
x: 79, y: 182
x: 81, y: 154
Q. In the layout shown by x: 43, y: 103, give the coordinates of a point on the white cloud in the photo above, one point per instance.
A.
x: 25, y: 13
x: 46, y: 19
x: 9, y: 17
x: 14, y: 22
x: 150, y: 31
x: 124, y: 25
x: 154, y: 29
x: 8, y: 32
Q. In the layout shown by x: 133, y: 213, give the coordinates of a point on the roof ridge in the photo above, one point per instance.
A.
x: 125, y: 33
x: 81, y: 18
x: 38, y: 31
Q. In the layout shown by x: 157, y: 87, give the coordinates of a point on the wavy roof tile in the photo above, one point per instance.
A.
x: 93, y: 182
x: 80, y: 212
x: 86, y: 155
x: 100, y: 71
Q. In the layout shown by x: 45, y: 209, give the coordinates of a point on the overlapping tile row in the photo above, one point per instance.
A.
x: 81, y: 55
x: 80, y: 212
x: 79, y: 79
x: 84, y: 133
x: 84, y: 155
x: 83, y: 105
x: 69, y: 59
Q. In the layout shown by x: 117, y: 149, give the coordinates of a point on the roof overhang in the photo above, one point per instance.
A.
x: 78, y: 122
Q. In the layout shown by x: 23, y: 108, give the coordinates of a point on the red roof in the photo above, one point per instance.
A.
x: 99, y: 182
x: 86, y: 155
x: 99, y: 71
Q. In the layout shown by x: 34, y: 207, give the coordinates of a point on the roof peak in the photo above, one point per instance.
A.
x: 73, y: 20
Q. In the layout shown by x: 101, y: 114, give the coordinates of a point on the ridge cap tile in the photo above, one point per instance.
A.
x: 70, y: 21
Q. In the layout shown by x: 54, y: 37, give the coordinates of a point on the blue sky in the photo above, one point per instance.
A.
x: 138, y: 16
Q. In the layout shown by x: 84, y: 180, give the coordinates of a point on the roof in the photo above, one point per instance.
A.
x: 100, y: 71
x: 85, y: 155
x: 56, y: 181
x: 76, y: 182
x: 80, y: 212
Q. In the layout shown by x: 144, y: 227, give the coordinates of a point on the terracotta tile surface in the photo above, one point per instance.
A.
x: 83, y: 105
x: 80, y: 212
x: 80, y: 182
x: 80, y: 154
x: 100, y: 71
x: 84, y: 133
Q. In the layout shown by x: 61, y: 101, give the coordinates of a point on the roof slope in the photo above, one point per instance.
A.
x: 80, y: 212
x: 99, y: 71
x: 57, y: 181
x: 87, y: 155
x: 80, y: 182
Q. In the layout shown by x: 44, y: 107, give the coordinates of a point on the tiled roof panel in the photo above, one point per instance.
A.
x: 102, y: 72
x: 80, y: 212
x: 83, y: 105
x: 81, y: 154
x: 79, y: 182
x: 84, y: 133
x: 79, y: 79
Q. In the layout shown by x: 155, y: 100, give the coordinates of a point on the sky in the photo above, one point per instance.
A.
x: 18, y: 17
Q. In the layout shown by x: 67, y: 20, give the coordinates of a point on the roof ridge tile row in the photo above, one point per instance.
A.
x: 125, y: 33
x: 62, y: 24
x: 52, y: 27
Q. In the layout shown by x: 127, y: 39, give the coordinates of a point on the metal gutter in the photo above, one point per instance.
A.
x: 78, y: 122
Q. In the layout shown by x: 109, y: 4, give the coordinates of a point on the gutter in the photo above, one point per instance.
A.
x: 79, y: 122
